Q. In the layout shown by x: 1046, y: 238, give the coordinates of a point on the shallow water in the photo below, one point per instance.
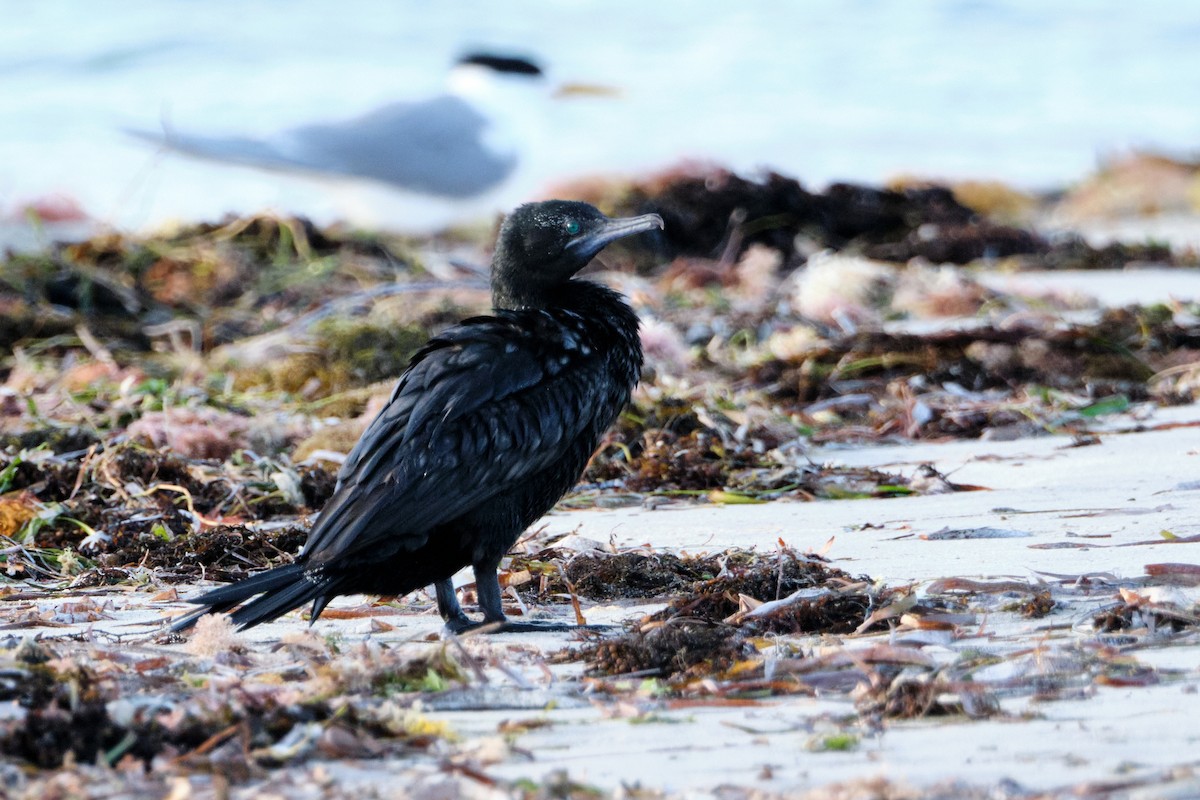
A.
x: 836, y: 89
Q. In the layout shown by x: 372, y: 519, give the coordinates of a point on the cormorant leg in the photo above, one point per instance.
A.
x: 487, y: 589
x: 451, y: 611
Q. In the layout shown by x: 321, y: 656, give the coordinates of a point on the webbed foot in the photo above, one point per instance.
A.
x: 464, y: 625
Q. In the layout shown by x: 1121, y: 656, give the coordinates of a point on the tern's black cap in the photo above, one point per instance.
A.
x: 514, y: 65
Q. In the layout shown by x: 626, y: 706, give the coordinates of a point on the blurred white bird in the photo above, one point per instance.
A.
x: 461, y: 147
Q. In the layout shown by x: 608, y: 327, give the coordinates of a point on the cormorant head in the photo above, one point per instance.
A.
x: 542, y: 245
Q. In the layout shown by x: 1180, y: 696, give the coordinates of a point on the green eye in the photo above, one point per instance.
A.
x: 572, y: 227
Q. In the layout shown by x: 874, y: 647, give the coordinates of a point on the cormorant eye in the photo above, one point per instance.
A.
x: 572, y: 226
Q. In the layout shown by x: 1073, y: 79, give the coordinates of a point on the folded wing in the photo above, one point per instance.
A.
x: 482, y: 408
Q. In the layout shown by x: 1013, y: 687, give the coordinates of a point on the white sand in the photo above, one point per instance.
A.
x: 1135, y: 286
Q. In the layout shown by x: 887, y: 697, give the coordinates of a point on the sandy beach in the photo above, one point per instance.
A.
x: 904, y: 506
x: 1077, y: 710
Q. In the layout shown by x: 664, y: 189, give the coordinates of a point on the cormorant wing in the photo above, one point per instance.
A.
x: 481, y: 409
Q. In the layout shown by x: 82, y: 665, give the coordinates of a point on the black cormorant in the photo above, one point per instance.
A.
x: 492, y: 422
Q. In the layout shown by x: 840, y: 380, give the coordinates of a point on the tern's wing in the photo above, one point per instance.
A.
x: 434, y: 147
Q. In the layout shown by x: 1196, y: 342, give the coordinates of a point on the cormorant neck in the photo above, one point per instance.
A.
x: 561, y: 294
x: 515, y: 288
x: 506, y: 296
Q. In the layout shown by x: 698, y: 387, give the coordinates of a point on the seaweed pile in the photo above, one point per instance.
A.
x: 713, y: 213
x: 125, y: 512
x: 138, y: 709
x: 704, y: 629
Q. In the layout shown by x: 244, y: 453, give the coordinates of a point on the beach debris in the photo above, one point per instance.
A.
x: 974, y: 533
x: 174, y: 408
x: 703, y: 630
x: 1131, y: 185
x: 77, y: 711
x: 1151, y: 611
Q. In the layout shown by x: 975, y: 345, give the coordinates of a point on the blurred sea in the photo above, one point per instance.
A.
x: 1021, y: 90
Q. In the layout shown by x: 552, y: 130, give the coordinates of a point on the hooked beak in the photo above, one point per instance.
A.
x: 593, y: 242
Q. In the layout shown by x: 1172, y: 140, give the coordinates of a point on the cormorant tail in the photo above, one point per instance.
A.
x: 317, y: 607
x: 277, y: 603
x: 282, y: 589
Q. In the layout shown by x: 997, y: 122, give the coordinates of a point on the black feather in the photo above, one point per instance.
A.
x: 226, y: 597
x: 272, y: 604
x: 492, y: 422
